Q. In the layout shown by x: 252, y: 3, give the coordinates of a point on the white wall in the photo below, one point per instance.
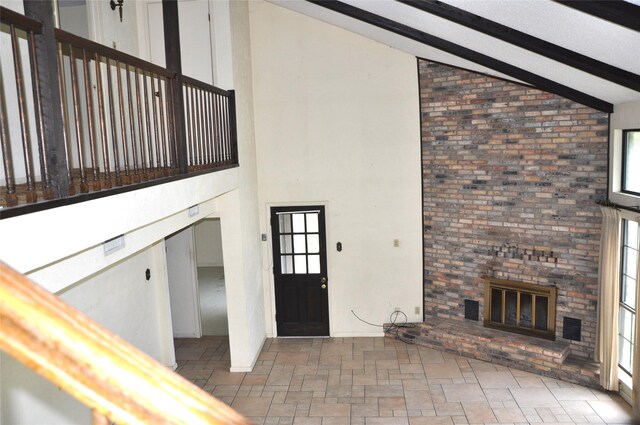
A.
x: 625, y: 117
x: 208, y: 243
x: 337, y: 123
x: 122, y: 300
x: 239, y: 209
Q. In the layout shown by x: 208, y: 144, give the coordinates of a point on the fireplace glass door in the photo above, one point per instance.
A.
x: 520, y: 307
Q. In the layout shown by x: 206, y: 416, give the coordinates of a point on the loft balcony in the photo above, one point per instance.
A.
x: 87, y: 121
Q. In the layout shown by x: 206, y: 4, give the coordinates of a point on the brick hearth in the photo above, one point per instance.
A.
x: 471, y: 339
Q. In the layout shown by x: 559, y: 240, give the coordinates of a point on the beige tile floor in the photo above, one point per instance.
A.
x: 378, y: 381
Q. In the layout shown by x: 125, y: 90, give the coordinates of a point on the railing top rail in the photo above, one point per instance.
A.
x: 93, y: 47
x: 204, y: 86
x: 8, y: 16
x: 113, y: 378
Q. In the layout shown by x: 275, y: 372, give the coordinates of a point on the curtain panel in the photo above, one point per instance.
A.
x: 608, y: 296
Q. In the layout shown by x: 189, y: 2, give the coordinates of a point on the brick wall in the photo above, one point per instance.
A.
x: 510, y: 179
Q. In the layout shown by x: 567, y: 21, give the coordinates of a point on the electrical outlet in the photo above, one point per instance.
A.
x: 417, y: 310
x: 396, y: 243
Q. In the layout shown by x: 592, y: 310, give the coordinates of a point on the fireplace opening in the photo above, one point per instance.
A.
x: 519, y: 307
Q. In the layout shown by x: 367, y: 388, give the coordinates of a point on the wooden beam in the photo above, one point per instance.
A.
x: 174, y: 63
x: 51, y: 121
x: 465, y: 53
x: 528, y: 42
x: 618, y: 12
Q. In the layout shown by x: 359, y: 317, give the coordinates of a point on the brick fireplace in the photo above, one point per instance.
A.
x: 510, y: 179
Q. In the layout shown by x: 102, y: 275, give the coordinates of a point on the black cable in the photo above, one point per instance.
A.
x: 393, y: 325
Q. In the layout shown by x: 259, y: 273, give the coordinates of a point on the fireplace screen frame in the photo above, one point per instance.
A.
x: 520, y: 288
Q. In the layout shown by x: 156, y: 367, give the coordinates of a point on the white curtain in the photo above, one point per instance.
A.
x: 608, y: 299
x: 635, y: 391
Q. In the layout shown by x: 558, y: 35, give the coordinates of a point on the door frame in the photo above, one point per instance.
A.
x: 268, y: 275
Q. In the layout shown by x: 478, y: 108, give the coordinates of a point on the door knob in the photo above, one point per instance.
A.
x: 323, y: 280
x: 323, y: 286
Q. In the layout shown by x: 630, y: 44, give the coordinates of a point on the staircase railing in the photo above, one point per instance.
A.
x: 118, y: 382
x: 119, y: 128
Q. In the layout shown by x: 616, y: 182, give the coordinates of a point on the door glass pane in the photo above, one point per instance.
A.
x: 313, y: 243
x: 542, y: 311
x: 285, y: 244
x: 496, y: 305
x: 625, y: 349
x: 625, y: 323
x: 630, y: 262
x: 510, y: 308
x: 298, y: 244
x: 631, y: 235
x: 286, y: 264
x: 300, y: 262
x: 312, y: 222
x: 526, y: 310
x: 628, y: 292
x: 285, y: 223
x: 298, y: 223
x: 314, y: 264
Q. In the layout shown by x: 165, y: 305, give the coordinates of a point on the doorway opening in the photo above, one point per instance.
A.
x: 211, y: 281
x: 195, y: 271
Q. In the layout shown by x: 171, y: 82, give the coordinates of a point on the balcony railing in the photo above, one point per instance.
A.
x: 119, y: 123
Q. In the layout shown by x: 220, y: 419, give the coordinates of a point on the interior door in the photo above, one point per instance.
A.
x: 300, y: 271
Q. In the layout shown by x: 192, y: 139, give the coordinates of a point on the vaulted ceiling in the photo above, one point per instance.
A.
x: 588, y: 51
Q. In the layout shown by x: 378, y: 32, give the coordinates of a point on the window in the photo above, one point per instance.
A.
x: 628, y: 286
x: 630, y: 160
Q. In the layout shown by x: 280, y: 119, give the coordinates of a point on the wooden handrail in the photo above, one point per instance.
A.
x: 8, y: 16
x: 111, y: 377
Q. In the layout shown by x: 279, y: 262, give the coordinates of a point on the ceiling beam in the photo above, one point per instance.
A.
x: 617, y: 11
x: 528, y: 42
x: 465, y: 53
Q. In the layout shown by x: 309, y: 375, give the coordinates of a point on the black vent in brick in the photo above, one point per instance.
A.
x: 571, y: 328
x: 471, y: 309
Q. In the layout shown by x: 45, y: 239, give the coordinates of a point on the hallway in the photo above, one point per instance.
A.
x: 379, y: 381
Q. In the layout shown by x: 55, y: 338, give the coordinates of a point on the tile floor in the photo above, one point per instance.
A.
x: 379, y: 381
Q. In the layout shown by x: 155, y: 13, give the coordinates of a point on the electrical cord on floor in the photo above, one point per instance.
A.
x: 394, y: 326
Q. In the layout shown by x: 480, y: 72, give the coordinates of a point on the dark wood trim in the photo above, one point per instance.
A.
x: 174, y: 64
x: 92, y: 47
x: 51, y: 120
x: 47, y: 205
x: 528, y: 42
x: 616, y: 11
x: 233, y: 127
x: 205, y: 86
x: 422, y: 194
x: 465, y: 53
x: 20, y: 21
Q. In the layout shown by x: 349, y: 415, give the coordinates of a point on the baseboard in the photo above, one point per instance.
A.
x: 210, y: 265
x: 192, y: 335
x: 356, y: 334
